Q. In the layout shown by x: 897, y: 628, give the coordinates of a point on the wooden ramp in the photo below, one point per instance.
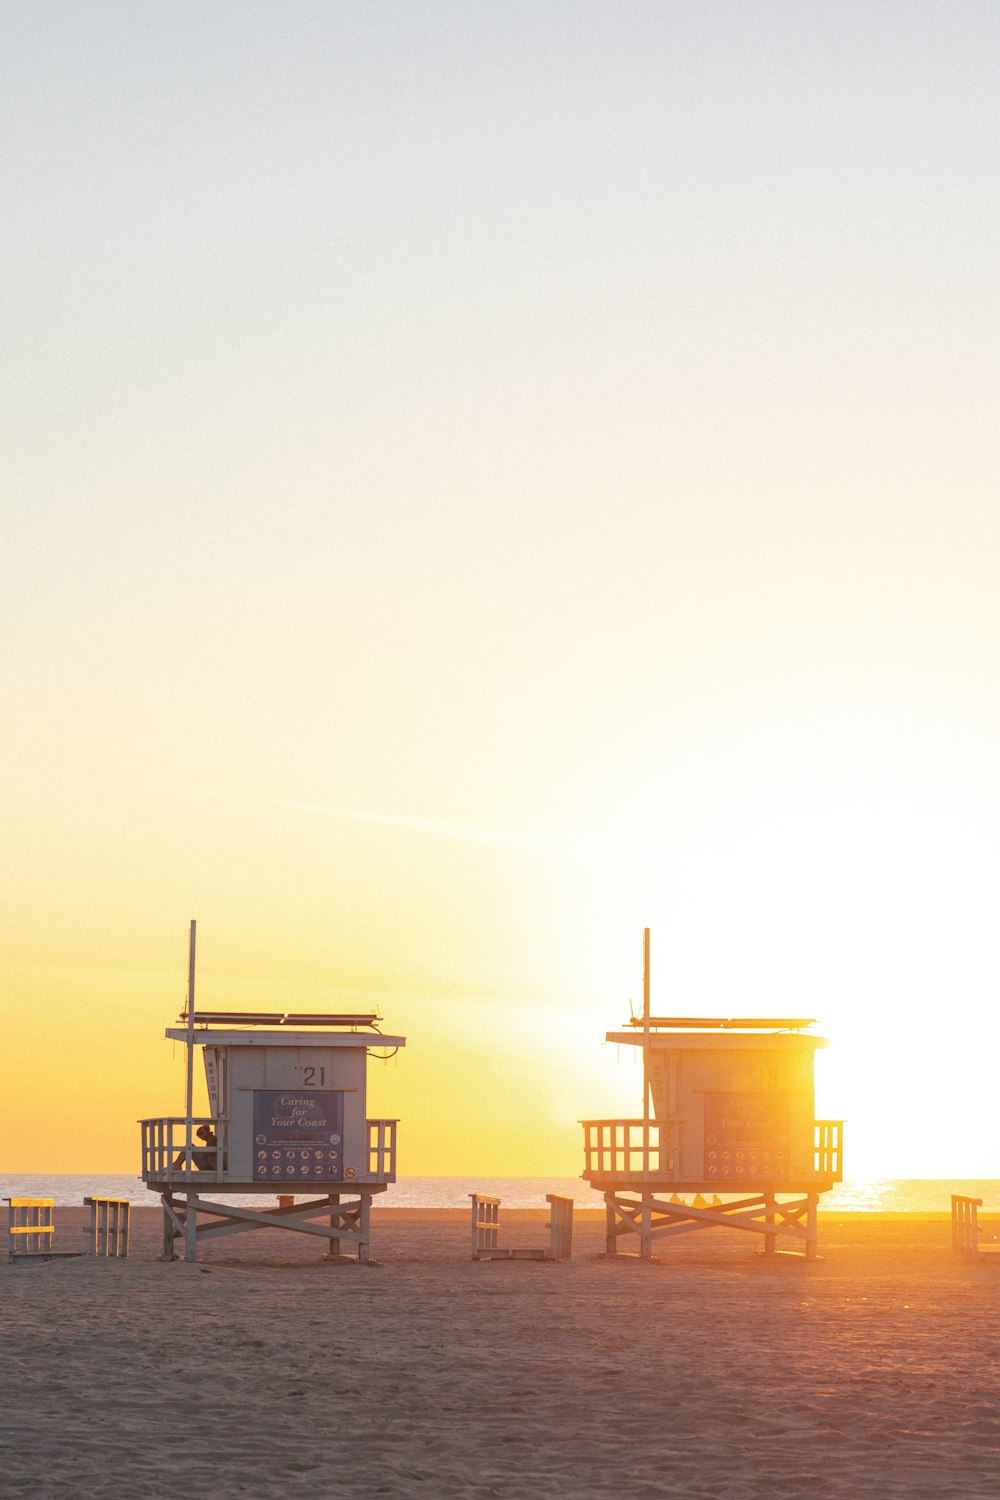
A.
x: 968, y: 1236
x: 486, y: 1231
x: 31, y: 1229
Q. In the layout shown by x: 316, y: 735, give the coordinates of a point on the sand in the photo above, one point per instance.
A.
x: 261, y: 1372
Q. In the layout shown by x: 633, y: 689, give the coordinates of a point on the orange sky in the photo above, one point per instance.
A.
x: 477, y: 483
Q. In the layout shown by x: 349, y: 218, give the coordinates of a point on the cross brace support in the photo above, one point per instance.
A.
x: 654, y: 1218
x: 349, y: 1221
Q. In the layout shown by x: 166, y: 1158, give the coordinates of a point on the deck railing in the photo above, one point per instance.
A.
x: 164, y: 1143
x: 382, y: 1149
x: 646, y: 1149
x: 650, y: 1150
x: 828, y: 1149
x: 164, y: 1151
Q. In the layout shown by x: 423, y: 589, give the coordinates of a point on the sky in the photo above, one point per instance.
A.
x: 478, y: 481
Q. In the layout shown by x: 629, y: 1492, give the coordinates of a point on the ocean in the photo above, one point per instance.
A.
x: 883, y: 1195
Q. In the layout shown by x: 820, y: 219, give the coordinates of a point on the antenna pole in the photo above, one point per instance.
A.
x: 189, y: 1101
x: 646, y: 1060
x: 646, y: 1080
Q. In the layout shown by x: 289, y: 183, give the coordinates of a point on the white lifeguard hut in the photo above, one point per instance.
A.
x: 288, y: 1117
x: 728, y: 1117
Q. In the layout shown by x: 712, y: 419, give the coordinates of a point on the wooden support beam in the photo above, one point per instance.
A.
x: 653, y: 1218
x: 348, y: 1221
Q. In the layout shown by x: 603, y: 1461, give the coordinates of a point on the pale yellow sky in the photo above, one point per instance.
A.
x: 477, y: 482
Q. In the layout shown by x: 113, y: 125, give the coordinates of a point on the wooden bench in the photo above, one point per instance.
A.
x: 968, y: 1235
x: 486, y: 1231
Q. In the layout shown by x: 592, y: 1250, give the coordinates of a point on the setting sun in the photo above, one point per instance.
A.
x: 428, y: 573
x: 500, y: 601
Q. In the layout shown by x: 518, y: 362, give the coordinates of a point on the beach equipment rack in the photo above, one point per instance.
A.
x: 727, y: 1110
x: 287, y: 1097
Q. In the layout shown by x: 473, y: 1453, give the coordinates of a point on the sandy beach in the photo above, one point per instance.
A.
x: 262, y: 1372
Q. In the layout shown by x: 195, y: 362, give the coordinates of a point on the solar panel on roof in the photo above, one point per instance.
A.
x: 303, y: 1019
x: 724, y: 1023
x: 236, y: 1017
x: 280, y: 1018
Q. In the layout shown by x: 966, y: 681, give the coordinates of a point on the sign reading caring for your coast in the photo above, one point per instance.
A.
x: 297, y: 1136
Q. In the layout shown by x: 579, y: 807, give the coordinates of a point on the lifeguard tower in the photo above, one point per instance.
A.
x: 728, y: 1117
x: 288, y: 1117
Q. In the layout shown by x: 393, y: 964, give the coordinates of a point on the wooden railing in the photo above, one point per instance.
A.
x: 965, y: 1224
x: 828, y: 1149
x: 382, y: 1149
x: 485, y: 1223
x: 30, y: 1227
x: 650, y: 1150
x: 560, y: 1226
x: 969, y: 1235
x: 164, y: 1143
x: 646, y: 1149
x: 109, y: 1227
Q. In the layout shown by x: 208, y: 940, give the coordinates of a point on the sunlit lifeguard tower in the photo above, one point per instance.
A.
x: 728, y: 1117
x: 288, y: 1117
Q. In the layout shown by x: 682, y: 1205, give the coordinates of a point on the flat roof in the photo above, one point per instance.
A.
x: 285, y: 1038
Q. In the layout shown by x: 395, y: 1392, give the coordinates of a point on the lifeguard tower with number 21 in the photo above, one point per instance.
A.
x: 727, y: 1138
x: 288, y: 1117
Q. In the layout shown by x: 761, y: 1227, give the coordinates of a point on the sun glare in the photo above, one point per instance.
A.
x: 872, y: 915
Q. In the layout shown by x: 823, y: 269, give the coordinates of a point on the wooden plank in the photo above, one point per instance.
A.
x: 513, y: 1254
x: 560, y: 1226
x: 45, y: 1255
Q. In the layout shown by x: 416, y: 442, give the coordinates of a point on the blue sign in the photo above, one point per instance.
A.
x: 298, y: 1135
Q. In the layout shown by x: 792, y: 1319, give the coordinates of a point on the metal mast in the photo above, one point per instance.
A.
x: 647, y: 1080
x: 189, y: 1099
